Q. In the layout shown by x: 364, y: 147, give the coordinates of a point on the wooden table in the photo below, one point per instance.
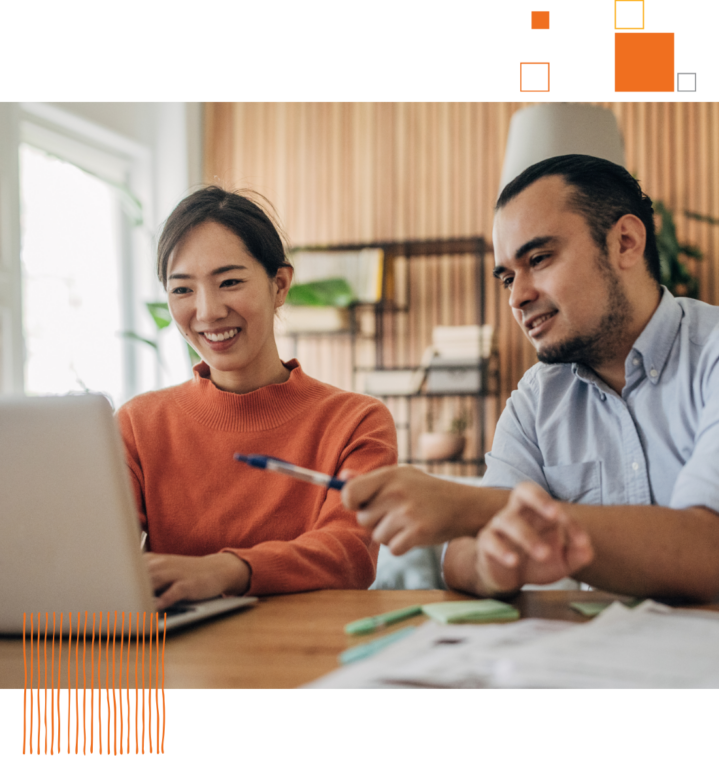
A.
x: 290, y: 640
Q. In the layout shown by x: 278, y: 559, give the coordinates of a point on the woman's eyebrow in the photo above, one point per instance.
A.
x: 218, y: 271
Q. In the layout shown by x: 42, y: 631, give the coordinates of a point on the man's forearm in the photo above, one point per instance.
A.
x: 638, y: 550
x: 475, y: 507
x: 652, y: 551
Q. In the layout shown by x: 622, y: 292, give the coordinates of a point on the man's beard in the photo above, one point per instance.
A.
x: 601, y: 344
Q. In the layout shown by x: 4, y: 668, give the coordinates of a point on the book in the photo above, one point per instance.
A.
x: 463, y: 341
x: 300, y: 319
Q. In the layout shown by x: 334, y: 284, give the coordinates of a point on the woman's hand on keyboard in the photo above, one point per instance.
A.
x: 183, y: 577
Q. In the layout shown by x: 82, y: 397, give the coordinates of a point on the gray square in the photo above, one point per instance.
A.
x: 686, y: 82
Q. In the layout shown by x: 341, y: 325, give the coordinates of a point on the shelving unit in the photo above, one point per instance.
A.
x: 425, y: 283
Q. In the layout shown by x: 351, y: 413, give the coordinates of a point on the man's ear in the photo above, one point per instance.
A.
x: 629, y: 238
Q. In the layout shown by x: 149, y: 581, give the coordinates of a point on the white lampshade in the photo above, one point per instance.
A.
x: 549, y: 130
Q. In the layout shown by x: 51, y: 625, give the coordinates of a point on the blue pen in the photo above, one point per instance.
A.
x: 284, y: 468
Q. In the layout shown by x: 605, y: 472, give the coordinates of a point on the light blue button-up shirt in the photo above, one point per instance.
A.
x: 658, y: 443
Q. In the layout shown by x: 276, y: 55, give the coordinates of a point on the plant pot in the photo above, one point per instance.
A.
x: 441, y: 446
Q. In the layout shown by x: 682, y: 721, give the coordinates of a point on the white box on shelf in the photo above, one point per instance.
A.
x: 454, y: 376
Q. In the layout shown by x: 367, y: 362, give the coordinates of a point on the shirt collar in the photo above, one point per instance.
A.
x: 652, y: 347
x: 655, y: 341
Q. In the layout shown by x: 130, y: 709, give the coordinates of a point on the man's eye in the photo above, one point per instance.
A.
x: 538, y: 259
x: 507, y: 283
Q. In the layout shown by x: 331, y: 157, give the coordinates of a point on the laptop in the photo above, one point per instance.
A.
x: 69, y: 532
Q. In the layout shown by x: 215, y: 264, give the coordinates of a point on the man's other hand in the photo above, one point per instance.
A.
x: 533, y: 540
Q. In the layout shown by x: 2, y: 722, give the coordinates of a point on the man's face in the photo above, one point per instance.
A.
x: 563, y: 290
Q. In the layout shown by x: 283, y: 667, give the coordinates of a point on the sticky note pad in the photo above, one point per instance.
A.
x: 470, y: 611
x: 589, y: 609
x: 596, y: 607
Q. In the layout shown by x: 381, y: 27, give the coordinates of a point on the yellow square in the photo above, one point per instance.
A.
x: 629, y: 14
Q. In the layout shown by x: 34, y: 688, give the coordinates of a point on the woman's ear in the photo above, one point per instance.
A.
x: 282, y: 280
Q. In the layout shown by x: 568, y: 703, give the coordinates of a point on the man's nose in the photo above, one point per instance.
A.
x: 523, y: 292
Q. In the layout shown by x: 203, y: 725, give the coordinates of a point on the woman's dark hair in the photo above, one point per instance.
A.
x: 602, y: 193
x: 235, y: 211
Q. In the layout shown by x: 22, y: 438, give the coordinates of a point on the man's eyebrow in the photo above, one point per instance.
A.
x: 218, y: 271
x: 530, y: 245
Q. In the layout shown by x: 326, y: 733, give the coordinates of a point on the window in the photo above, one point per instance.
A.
x: 72, y: 280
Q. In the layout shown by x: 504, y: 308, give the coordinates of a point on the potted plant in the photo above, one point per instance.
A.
x: 673, y: 255
x: 444, y: 446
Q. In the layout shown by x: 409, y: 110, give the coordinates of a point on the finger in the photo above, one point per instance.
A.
x: 494, y: 556
x: 536, y: 498
x: 517, y: 528
x: 170, y: 596
x: 347, y: 474
x: 159, y: 568
x: 359, y: 491
x: 388, y: 527
x: 372, y: 515
x: 500, y: 548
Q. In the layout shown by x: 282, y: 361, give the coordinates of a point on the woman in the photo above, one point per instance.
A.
x: 216, y: 526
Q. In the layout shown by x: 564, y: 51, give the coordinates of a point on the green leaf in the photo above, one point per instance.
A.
x: 160, y: 313
x: 135, y: 337
x: 335, y: 292
x: 701, y: 217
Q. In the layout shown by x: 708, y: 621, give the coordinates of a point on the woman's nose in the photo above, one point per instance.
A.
x: 210, y: 307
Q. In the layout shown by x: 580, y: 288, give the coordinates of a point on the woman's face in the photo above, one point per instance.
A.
x: 224, y: 304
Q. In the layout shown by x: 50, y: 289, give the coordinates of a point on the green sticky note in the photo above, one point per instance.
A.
x: 595, y: 608
x: 589, y: 609
x: 470, y: 611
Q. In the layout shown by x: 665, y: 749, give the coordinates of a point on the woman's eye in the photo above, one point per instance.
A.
x: 180, y: 290
x: 230, y: 283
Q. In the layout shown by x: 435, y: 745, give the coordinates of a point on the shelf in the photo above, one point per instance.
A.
x: 414, y: 281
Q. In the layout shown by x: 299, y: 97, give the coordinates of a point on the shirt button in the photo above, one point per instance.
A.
x: 636, y: 361
x: 635, y: 466
x: 653, y: 373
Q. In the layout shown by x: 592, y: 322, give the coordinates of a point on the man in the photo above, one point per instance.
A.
x: 605, y: 462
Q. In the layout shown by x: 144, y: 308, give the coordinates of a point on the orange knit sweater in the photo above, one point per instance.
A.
x: 195, y: 499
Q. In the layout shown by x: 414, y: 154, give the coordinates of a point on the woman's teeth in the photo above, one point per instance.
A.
x: 221, y: 336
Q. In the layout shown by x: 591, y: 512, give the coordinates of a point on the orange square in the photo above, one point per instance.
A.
x: 534, y: 76
x: 540, y: 19
x: 644, y: 61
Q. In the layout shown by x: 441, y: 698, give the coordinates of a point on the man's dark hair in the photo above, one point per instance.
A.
x: 602, y: 193
x: 237, y: 212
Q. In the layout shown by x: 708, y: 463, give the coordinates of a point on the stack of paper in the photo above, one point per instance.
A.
x: 650, y: 646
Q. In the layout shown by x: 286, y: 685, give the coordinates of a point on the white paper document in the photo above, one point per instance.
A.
x: 650, y: 646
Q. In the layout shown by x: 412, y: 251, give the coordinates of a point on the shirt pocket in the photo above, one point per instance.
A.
x: 578, y: 483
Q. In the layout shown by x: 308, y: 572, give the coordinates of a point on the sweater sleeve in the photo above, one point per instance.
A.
x: 336, y: 553
x: 132, y: 460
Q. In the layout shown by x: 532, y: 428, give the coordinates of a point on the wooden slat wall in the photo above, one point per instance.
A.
x: 353, y: 172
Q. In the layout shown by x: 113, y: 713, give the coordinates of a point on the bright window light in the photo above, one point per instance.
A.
x: 72, y: 308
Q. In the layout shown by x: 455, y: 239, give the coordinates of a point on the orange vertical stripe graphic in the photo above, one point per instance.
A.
x: 52, y: 724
